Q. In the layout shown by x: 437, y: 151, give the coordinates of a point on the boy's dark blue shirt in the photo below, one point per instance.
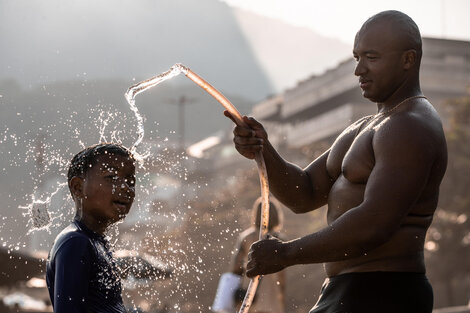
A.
x: 81, y: 273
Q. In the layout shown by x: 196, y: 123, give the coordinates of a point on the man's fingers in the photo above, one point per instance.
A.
x: 249, y: 138
x: 252, y: 122
x: 243, y: 131
x: 248, y: 141
x: 248, y: 147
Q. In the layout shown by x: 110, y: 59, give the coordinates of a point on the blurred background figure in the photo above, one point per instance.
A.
x: 269, y: 297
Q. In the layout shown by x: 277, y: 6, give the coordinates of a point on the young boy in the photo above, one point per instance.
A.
x: 82, y: 275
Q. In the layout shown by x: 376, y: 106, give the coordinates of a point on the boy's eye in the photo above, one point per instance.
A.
x: 130, y: 181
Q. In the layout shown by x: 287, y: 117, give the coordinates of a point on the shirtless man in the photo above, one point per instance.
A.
x: 380, y: 180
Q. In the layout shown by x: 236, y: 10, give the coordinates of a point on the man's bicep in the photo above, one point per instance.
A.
x: 320, y: 180
x: 403, y: 161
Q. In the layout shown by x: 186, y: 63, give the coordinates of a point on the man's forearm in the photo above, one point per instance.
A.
x: 348, y: 237
x: 289, y: 183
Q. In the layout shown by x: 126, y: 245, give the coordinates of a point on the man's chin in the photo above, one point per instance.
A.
x: 369, y: 96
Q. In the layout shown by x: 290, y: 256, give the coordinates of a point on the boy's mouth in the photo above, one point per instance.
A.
x: 123, y: 205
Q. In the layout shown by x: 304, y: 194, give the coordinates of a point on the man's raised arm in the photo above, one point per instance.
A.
x: 301, y: 190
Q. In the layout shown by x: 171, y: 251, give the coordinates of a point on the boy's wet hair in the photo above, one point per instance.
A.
x: 86, y: 158
x: 275, y: 214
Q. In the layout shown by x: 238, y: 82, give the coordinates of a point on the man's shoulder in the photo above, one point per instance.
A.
x: 418, y: 122
x: 421, y: 110
x: 412, y: 131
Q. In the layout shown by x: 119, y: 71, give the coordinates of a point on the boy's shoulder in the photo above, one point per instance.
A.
x: 72, y: 237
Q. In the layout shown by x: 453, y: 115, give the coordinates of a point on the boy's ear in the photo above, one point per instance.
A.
x: 76, y: 187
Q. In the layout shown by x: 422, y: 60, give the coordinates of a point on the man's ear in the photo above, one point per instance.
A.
x: 409, y: 59
x: 76, y: 187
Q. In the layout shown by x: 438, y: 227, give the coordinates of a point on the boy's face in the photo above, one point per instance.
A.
x: 108, y: 188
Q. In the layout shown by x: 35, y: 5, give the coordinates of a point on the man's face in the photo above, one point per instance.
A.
x: 109, y: 188
x: 379, y: 55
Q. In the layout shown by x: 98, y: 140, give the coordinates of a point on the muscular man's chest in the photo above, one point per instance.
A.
x: 352, y: 155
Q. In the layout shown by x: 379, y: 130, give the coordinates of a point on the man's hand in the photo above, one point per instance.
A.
x: 248, y: 140
x: 265, y: 257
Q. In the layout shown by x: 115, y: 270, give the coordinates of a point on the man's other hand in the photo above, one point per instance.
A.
x: 265, y: 257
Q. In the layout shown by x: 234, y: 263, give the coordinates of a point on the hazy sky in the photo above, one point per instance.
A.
x: 342, y: 18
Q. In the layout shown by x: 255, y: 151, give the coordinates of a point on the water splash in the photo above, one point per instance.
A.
x: 135, y: 89
x: 38, y: 211
x: 34, y: 212
x: 39, y: 214
x: 176, y: 232
x: 263, y: 176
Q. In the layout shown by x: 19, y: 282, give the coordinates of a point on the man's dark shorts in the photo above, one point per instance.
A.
x: 376, y: 292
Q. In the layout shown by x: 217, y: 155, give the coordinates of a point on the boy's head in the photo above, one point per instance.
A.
x: 101, y: 179
x: 275, y: 215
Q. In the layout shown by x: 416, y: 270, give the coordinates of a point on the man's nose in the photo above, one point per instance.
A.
x: 360, y: 68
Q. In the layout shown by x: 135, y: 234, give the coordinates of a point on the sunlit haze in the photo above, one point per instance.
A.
x: 342, y: 18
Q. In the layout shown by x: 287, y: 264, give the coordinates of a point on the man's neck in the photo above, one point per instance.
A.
x: 406, y: 90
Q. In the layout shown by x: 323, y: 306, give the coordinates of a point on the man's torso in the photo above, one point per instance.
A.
x: 350, y: 163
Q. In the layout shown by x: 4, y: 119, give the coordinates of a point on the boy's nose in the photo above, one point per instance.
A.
x: 130, y: 190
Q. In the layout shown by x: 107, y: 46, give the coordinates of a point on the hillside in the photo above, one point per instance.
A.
x: 289, y: 53
x: 240, y: 52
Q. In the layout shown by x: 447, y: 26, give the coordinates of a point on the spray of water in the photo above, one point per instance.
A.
x: 35, y: 149
x: 38, y: 211
x: 135, y: 89
x: 174, y: 71
x: 48, y: 208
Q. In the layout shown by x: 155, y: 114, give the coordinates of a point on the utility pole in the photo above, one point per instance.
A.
x: 181, y: 102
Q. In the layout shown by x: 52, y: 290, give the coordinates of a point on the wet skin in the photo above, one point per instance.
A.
x: 380, y: 178
x: 245, y: 239
x: 106, y: 193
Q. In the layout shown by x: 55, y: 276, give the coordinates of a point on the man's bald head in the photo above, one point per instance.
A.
x: 400, y: 26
